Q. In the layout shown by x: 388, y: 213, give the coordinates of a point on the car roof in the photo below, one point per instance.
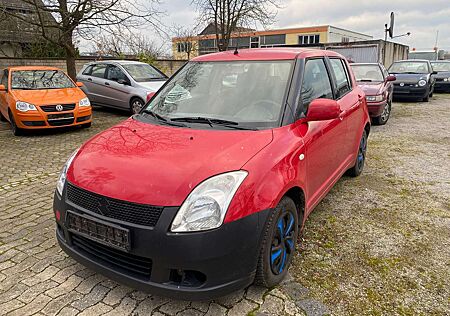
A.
x: 118, y: 61
x: 32, y: 68
x: 440, y: 61
x: 266, y: 54
x: 412, y: 60
x: 368, y: 64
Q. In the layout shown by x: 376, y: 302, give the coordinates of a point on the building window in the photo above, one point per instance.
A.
x: 309, y: 39
x: 183, y: 47
x: 345, y: 39
x: 254, y: 42
x: 278, y: 39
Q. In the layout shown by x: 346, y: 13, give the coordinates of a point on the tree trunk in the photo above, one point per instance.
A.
x: 70, y: 57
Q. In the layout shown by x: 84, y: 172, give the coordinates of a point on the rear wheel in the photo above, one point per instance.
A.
x: 16, y: 130
x: 136, y: 105
x: 278, y: 245
x: 384, y: 117
x: 357, y: 169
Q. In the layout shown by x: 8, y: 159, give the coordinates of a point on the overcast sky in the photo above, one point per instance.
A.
x: 423, y: 18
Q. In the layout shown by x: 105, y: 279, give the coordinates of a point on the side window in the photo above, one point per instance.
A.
x: 88, y: 70
x: 98, y: 71
x: 5, y: 78
x: 115, y: 74
x: 341, y: 75
x: 316, y: 82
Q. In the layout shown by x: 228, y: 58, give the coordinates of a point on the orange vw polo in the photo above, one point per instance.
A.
x: 42, y: 97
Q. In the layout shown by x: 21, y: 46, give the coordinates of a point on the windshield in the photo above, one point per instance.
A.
x: 40, y: 80
x: 247, y: 93
x: 367, y: 73
x: 423, y: 55
x: 441, y: 66
x: 404, y: 67
x: 143, y: 72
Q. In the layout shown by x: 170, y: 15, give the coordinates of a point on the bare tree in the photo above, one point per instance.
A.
x: 85, y: 18
x: 229, y: 16
x: 123, y: 44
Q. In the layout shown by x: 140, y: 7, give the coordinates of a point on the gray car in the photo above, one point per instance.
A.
x: 120, y: 84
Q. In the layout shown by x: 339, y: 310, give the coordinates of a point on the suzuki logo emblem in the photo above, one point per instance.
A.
x: 59, y: 108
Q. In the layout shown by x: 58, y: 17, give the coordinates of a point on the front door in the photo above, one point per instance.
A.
x: 323, y: 138
x: 119, y: 86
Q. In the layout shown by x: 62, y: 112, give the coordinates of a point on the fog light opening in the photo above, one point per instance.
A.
x: 58, y: 215
x: 187, y: 278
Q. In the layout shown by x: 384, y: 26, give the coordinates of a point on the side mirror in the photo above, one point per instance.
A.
x: 434, y: 73
x: 79, y: 84
x: 391, y: 78
x: 2, y: 87
x: 322, y: 110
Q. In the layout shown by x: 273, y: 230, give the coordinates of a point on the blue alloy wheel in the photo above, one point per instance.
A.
x: 282, y: 242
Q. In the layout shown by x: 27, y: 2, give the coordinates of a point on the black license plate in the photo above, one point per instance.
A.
x: 98, y: 230
x: 60, y: 116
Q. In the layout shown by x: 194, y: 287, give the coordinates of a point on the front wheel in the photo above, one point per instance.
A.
x: 15, y: 130
x: 357, y: 169
x: 384, y: 117
x: 278, y: 244
x: 136, y: 105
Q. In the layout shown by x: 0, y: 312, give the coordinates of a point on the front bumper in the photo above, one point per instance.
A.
x: 442, y: 86
x: 376, y: 108
x: 191, y: 266
x: 411, y: 91
x: 40, y: 119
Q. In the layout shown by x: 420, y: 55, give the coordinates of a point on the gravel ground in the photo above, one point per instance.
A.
x: 380, y: 244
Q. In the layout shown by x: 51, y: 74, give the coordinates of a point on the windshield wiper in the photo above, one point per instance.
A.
x: 211, y: 122
x: 162, y: 118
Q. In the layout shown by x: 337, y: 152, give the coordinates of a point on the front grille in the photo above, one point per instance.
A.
x: 52, y: 108
x: 61, y: 122
x: 141, y: 214
x: 119, y: 260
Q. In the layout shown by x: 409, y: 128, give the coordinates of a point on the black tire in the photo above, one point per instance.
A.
x: 87, y: 125
x: 427, y: 98
x: 357, y: 169
x: 2, y: 118
x: 15, y: 130
x: 384, y: 117
x: 134, y: 109
x: 268, y: 271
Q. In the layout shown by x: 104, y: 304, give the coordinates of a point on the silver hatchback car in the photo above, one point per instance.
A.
x: 120, y: 84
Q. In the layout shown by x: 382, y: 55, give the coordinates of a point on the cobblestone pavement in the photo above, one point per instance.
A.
x: 36, y: 277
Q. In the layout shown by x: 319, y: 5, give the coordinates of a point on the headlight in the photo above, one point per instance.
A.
x: 84, y: 102
x: 446, y: 79
x: 422, y: 82
x: 375, y: 98
x: 207, y: 204
x: 63, y: 175
x: 25, y: 106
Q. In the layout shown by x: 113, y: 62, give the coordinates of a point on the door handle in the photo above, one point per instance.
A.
x: 106, y: 84
x: 89, y: 79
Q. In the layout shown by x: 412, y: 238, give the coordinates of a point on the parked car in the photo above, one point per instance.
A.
x: 442, y: 76
x: 414, y: 79
x: 205, y: 190
x: 376, y: 83
x: 121, y: 84
x: 42, y: 97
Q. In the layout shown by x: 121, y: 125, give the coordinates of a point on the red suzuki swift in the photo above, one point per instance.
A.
x: 206, y: 189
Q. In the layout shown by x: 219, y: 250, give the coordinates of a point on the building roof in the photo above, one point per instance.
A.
x: 265, y: 54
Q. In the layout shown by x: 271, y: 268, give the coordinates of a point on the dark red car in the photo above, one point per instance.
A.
x: 205, y: 190
x: 377, y: 84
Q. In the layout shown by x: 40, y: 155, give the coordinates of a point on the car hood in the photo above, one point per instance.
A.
x: 50, y: 96
x: 371, y: 88
x: 159, y: 165
x: 152, y: 86
x: 410, y: 78
x: 442, y: 74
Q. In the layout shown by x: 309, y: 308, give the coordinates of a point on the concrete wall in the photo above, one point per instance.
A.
x: 167, y: 66
x: 292, y: 39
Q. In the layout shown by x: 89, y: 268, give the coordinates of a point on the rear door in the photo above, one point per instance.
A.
x: 119, y: 86
x: 323, y: 139
x: 93, y: 78
x: 350, y: 99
